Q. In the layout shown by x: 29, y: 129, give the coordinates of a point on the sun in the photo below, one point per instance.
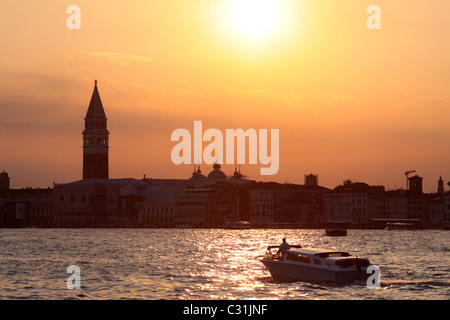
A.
x: 255, y: 19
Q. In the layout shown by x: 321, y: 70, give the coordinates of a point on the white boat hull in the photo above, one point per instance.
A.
x: 286, y: 271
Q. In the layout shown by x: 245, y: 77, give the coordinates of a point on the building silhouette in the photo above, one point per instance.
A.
x: 440, y: 188
x: 352, y: 202
x: 415, y: 184
x: 4, y: 182
x: 95, y: 140
x: 207, y: 200
x: 273, y: 203
x: 311, y: 180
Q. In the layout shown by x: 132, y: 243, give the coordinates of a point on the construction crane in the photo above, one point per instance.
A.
x: 407, y: 177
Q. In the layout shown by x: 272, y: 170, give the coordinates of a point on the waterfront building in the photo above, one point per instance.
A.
x: 353, y: 203
x: 301, y: 212
x: 161, y: 196
x: 224, y: 204
x: 26, y: 207
x: 402, y: 204
x: 215, y: 200
x: 192, y: 207
x: 4, y: 182
x: 447, y: 207
x: 413, y: 204
x: 98, y: 202
x: 393, y: 204
x: 270, y: 202
x: 436, y: 210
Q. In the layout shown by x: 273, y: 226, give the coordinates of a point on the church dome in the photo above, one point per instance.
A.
x: 237, y: 174
x: 216, y: 173
x: 197, y: 174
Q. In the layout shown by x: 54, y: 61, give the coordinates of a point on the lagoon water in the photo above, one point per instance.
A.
x: 211, y: 264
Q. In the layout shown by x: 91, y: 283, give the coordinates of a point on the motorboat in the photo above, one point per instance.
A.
x: 237, y: 225
x: 315, y: 265
x: 336, y: 229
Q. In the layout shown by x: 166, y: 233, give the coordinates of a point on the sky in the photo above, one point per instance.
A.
x: 349, y: 102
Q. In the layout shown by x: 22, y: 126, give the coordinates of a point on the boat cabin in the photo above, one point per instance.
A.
x: 319, y: 257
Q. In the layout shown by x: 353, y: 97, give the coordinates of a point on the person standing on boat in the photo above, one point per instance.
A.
x: 283, y: 248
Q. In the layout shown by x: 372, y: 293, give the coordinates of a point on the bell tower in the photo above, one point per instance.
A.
x: 95, y: 140
x: 440, y: 189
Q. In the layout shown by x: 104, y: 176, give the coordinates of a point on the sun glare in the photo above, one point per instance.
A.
x: 255, y: 19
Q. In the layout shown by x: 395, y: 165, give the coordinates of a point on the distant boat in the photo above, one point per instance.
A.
x: 336, y: 229
x: 400, y: 226
x: 237, y: 225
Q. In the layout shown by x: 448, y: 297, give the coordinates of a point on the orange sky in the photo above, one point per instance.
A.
x: 350, y: 103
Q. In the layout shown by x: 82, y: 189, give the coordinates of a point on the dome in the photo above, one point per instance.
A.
x: 216, y: 173
x: 237, y: 174
x: 197, y: 174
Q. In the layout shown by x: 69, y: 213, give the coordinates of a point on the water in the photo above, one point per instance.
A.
x: 210, y: 264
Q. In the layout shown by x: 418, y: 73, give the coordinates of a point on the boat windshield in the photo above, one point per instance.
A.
x: 353, y: 263
x: 332, y: 254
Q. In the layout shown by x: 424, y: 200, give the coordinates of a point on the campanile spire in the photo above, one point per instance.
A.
x: 95, y: 140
